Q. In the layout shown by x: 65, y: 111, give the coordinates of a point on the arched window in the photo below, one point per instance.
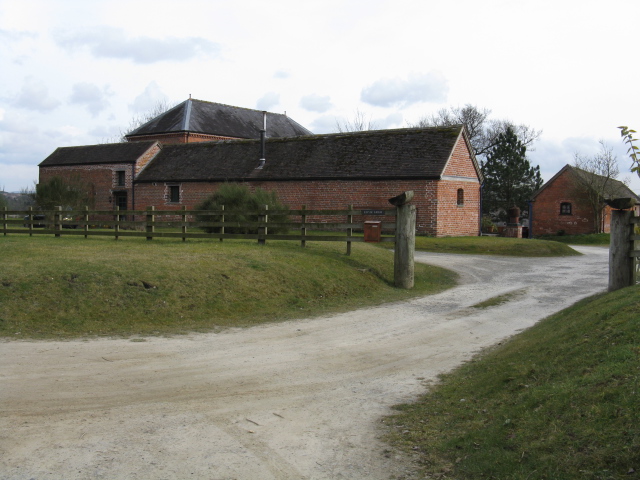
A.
x: 460, y: 197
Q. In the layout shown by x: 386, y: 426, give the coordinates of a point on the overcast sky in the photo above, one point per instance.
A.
x: 77, y: 72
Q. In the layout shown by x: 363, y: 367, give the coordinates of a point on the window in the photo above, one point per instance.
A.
x: 565, y: 208
x: 460, y: 197
x: 174, y: 193
x: 120, y: 178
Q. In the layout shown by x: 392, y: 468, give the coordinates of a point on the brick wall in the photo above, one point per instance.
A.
x: 434, y: 217
x: 547, y: 219
x: 182, y: 137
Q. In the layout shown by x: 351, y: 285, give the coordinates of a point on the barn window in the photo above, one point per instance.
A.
x: 120, y: 178
x: 565, y: 208
x: 174, y: 193
x: 460, y: 197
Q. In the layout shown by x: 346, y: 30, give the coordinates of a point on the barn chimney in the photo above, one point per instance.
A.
x: 263, y: 134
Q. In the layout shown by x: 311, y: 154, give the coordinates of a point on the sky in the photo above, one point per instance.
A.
x: 77, y: 72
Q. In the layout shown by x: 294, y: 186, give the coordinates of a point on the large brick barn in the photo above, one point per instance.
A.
x: 184, y: 155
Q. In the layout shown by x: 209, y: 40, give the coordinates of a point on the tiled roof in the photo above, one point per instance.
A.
x: 92, y: 154
x: 614, y: 188
x: 383, y: 154
x: 198, y: 116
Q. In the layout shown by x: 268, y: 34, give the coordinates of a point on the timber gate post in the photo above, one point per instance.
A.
x: 621, y: 263
x: 403, y: 262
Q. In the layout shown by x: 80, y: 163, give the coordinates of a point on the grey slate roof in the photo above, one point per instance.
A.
x: 92, y: 154
x: 198, y: 116
x: 384, y: 154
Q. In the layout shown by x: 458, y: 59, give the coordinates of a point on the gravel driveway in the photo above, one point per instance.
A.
x: 296, y: 400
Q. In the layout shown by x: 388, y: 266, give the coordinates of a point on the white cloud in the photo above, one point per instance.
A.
x: 109, y: 42
x: 316, y: 103
x: 148, y: 99
x: 34, y: 95
x: 416, y: 88
x: 90, y: 96
x: 268, y: 101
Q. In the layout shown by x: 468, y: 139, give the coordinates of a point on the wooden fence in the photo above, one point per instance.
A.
x: 303, y: 225
x: 623, y: 251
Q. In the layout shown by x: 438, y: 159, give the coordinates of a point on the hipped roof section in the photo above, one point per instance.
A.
x: 94, y: 154
x: 417, y: 153
x: 197, y: 116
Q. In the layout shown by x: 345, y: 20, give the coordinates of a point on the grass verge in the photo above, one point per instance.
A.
x: 591, y: 239
x: 514, y: 247
x: 558, y: 401
x: 72, y: 287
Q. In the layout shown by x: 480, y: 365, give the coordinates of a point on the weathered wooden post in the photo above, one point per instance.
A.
x: 403, y: 263
x: 151, y: 218
x: 303, y: 229
x: 57, y: 220
x: 86, y: 222
x: 349, y: 230
x: 4, y: 217
x: 184, y: 223
x: 621, y: 263
x: 262, y: 230
x: 30, y: 221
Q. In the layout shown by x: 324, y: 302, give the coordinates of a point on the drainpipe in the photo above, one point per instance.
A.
x: 530, y: 219
x: 481, y: 206
x: 263, y: 134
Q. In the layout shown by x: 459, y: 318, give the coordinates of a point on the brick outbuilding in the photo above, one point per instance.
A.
x: 562, y: 204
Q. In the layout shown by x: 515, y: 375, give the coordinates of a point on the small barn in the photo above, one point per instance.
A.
x: 564, y: 204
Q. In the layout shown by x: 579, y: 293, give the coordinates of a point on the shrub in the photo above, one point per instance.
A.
x: 240, y: 203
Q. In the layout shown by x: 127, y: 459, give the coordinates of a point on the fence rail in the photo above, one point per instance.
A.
x: 338, y: 225
x: 143, y: 223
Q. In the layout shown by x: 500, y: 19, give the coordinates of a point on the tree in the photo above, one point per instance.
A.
x: 510, y: 180
x: 634, y: 151
x: 71, y: 194
x: 359, y: 123
x: 238, y: 203
x: 596, y: 181
x: 483, y: 132
x: 160, y: 107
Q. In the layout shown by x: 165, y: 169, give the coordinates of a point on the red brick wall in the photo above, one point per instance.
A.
x: 547, y: 219
x: 336, y: 194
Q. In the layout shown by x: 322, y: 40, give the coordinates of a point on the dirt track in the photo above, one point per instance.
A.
x: 296, y: 400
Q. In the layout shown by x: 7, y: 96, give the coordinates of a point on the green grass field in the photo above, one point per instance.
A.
x: 559, y: 401
x: 71, y: 286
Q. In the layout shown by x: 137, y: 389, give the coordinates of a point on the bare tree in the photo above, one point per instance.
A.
x: 160, y: 107
x: 596, y: 180
x: 483, y: 132
x: 359, y: 123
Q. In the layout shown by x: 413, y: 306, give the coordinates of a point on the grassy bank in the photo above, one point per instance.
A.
x: 69, y: 286
x: 602, y: 239
x: 516, y: 247
x: 558, y: 401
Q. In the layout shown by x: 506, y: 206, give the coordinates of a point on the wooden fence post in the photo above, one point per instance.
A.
x: 30, y: 221
x: 86, y: 222
x: 222, y: 220
x: 403, y: 263
x: 303, y: 229
x: 262, y: 231
x: 57, y: 218
x: 4, y: 217
x: 150, y: 219
x: 621, y: 263
x: 349, y: 230
x: 184, y: 223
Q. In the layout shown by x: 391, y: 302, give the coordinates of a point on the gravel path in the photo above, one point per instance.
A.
x: 296, y: 400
